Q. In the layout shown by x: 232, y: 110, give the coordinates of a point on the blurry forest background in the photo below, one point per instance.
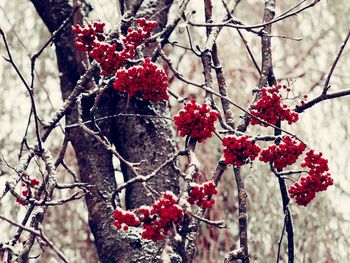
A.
x: 321, y: 230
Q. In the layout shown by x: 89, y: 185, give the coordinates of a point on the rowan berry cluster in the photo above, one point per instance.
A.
x: 136, y: 37
x: 318, y: 179
x: 156, y: 220
x: 109, y: 58
x: 27, y: 184
x: 201, y: 195
x: 88, y: 37
x: 270, y: 109
x: 148, y: 81
x: 196, y: 121
x: 239, y: 150
x: 161, y: 217
x: 124, y: 219
x: 284, y: 154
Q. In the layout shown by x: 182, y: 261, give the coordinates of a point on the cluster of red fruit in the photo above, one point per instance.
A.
x: 88, y: 37
x: 149, y: 81
x: 318, y: 179
x: 124, y: 219
x: 156, y: 220
x: 201, y: 195
x: 196, y: 121
x: 109, y: 58
x: 27, y: 184
x: 239, y: 150
x: 270, y: 109
x: 164, y: 214
x: 284, y: 154
x: 135, y: 37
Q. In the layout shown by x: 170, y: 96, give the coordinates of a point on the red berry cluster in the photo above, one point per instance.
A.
x: 239, y: 150
x: 135, y: 37
x: 109, y: 58
x: 124, y: 219
x: 161, y: 217
x: 318, y: 179
x: 270, y: 109
x: 201, y: 194
x: 196, y: 121
x: 156, y: 220
x: 148, y: 81
x: 27, y: 184
x: 88, y: 37
x: 284, y: 154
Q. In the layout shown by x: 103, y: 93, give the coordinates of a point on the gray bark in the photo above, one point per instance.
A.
x: 135, y: 138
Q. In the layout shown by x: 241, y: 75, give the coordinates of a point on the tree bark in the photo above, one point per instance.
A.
x: 136, y: 139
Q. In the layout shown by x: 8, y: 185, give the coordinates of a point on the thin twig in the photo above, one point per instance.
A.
x: 48, y: 42
x: 38, y: 233
x: 219, y: 224
x: 280, y: 241
x: 236, y: 23
x: 145, y: 178
x: 69, y: 102
x: 103, y: 140
x: 325, y: 95
x: 29, y: 89
x: 334, y: 64
x: 74, y: 125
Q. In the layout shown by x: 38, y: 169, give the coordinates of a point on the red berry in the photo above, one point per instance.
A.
x: 318, y: 179
x: 34, y: 182
x: 270, y: 109
x: 87, y: 37
x: 196, y: 121
x: 201, y: 195
x: 90, y: 39
x: 239, y: 150
x: 124, y: 219
x: 148, y: 81
x: 284, y: 154
x: 156, y: 221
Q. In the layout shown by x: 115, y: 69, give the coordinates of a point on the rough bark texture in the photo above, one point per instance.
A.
x: 147, y: 139
x: 136, y: 139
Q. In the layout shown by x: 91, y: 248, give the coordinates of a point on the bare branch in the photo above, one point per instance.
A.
x: 38, y: 233
x: 325, y: 95
x: 236, y: 23
x: 69, y: 102
x: 102, y: 139
x: 145, y: 178
x: 52, y: 38
x: 29, y: 89
x: 280, y: 241
x: 17, y: 174
x: 330, y: 73
x: 219, y: 224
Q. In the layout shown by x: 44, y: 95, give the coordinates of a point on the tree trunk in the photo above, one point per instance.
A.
x: 136, y: 139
